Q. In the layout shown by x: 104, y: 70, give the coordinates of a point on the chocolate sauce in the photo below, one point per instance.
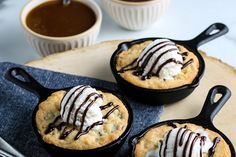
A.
x: 79, y: 134
x: 138, y: 71
x: 176, y: 142
x: 181, y: 141
x: 187, y: 143
x: 172, y: 125
x: 110, y: 112
x: 67, y: 101
x: 185, y: 54
x: 106, y: 106
x: 192, y: 144
x: 161, y: 144
x: 212, y: 149
x: 166, y: 43
x: 158, y: 58
x: 202, y: 142
x: 123, y: 69
x: 188, y: 147
x: 86, y: 100
x: 52, y: 125
x: 65, y: 132
x: 166, y: 62
x: 187, y: 63
x: 83, y: 117
x: 167, y: 138
x: 73, y: 103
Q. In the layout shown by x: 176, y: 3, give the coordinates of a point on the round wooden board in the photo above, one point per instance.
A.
x: 94, y: 62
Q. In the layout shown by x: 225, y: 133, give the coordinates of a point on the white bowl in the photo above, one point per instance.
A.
x: 46, y: 45
x: 135, y: 15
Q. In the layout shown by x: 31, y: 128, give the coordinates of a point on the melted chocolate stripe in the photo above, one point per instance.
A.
x: 150, y: 49
x: 185, y: 54
x: 110, y: 112
x: 67, y: 101
x: 85, y: 101
x: 167, y: 139
x: 181, y: 141
x: 83, y: 117
x: 187, y: 144
x: 73, y: 102
x: 167, y: 62
x: 202, y: 142
x: 212, y: 149
x: 123, y: 69
x: 187, y: 63
x: 88, y: 129
x: 147, y: 59
x: 159, y: 57
x: 106, y: 106
x: 51, y: 126
x: 176, y: 142
x: 192, y: 144
x: 172, y: 125
x: 65, y: 132
x: 161, y: 144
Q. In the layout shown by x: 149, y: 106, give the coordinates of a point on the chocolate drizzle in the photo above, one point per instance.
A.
x: 187, y: 63
x: 187, y: 139
x: 110, y: 112
x: 166, y: 143
x: 161, y: 45
x: 146, y: 57
x: 106, y: 106
x: 172, y: 125
x: 64, y: 109
x: 65, y: 127
x: 126, y: 68
x: 52, y: 126
x: 212, y: 149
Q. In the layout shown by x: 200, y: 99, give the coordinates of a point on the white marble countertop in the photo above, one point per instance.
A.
x: 183, y: 20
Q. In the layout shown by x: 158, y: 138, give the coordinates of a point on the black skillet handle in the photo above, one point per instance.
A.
x: 214, y: 31
x: 211, y: 108
x: 23, y: 79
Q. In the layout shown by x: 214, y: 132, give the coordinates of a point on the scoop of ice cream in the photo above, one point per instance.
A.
x: 81, y: 106
x: 182, y: 142
x: 161, y: 57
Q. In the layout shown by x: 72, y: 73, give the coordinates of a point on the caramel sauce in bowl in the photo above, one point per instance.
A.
x: 51, y: 27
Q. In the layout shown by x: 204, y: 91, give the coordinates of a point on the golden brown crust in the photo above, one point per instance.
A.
x: 111, y: 130
x: 187, y: 75
x: 151, y: 140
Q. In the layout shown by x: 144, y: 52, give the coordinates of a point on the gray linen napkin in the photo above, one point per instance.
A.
x: 17, y: 104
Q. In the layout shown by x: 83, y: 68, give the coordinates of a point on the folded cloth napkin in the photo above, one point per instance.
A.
x: 17, y: 104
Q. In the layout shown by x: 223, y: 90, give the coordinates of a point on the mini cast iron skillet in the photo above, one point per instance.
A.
x: 21, y: 78
x: 204, y: 119
x: 165, y: 96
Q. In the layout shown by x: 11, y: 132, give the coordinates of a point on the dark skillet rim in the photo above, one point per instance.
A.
x: 133, y: 140
x: 187, y: 44
x: 122, y: 137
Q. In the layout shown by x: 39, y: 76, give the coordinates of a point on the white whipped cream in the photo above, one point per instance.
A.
x: 78, y: 95
x: 151, y: 65
x: 171, y: 143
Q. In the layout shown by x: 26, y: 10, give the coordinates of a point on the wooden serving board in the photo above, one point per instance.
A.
x: 94, y: 61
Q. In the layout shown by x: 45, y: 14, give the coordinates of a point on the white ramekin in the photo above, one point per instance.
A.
x: 46, y: 45
x: 135, y: 15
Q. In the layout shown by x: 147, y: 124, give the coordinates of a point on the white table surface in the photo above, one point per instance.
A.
x: 183, y: 20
